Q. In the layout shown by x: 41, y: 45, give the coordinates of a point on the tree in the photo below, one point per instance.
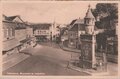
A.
x: 106, y: 9
x: 107, y: 13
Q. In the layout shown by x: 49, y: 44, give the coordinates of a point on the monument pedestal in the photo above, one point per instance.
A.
x: 87, y: 58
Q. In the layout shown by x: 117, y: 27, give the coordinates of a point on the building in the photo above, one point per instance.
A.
x: 81, y: 26
x: 55, y: 31
x: 31, y: 38
x: 75, y: 29
x: 16, y: 34
x: 64, y: 38
x: 42, y: 31
x: 9, y: 36
x: 21, y: 33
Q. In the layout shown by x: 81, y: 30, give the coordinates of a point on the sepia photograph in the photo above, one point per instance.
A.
x: 60, y: 38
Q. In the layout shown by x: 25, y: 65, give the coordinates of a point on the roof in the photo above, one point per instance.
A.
x: 73, y: 21
x: 89, y: 13
x: 76, y: 22
x: 44, y: 26
x: 74, y: 27
x: 79, y: 21
x: 12, y: 18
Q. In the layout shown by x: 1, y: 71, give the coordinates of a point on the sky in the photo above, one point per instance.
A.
x: 47, y: 12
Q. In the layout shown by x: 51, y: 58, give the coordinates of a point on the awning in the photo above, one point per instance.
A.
x: 10, y: 44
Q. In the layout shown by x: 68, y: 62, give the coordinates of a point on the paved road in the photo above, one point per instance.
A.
x: 45, y: 60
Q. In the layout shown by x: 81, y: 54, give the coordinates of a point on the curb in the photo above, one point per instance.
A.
x: 68, y: 50
x: 88, y: 72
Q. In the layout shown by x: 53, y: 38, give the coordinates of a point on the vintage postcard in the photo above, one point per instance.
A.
x: 60, y: 38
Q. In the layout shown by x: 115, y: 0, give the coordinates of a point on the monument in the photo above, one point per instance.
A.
x: 89, y: 57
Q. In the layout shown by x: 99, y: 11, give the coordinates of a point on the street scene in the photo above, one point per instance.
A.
x: 48, y: 39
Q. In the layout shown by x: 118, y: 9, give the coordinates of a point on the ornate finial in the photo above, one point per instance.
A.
x: 89, y: 6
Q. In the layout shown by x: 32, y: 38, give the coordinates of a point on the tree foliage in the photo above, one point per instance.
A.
x: 108, y: 12
x: 106, y: 9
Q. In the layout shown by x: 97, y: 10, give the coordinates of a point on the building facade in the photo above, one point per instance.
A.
x: 9, y: 37
x: 16, y: 34
x: 42, y: 32
x: 76, y: 28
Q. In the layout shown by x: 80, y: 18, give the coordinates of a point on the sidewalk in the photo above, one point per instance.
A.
x: 13, y: 59
x: 69, y: 49
x: 112, y: 70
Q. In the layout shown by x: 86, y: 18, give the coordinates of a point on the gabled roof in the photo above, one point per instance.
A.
x: 12, y: 18
x: 73, y: 21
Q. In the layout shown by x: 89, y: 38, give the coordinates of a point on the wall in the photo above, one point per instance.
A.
x: 41, y: 32
x: 20, y: 34
x: 8, y: 30
x: 9, y: 41
x: 29, y: 32
x: 72, y: 34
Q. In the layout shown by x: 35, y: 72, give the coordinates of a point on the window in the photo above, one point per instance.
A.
x: 13, y: 32
x: 7, y: 33
x: 38, y: 31
x: 88, y: 21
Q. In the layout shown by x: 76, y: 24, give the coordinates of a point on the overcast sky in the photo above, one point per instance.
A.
x: 61, y: 12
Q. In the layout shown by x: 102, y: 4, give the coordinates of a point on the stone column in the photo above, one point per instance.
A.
x: 93, y: 51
